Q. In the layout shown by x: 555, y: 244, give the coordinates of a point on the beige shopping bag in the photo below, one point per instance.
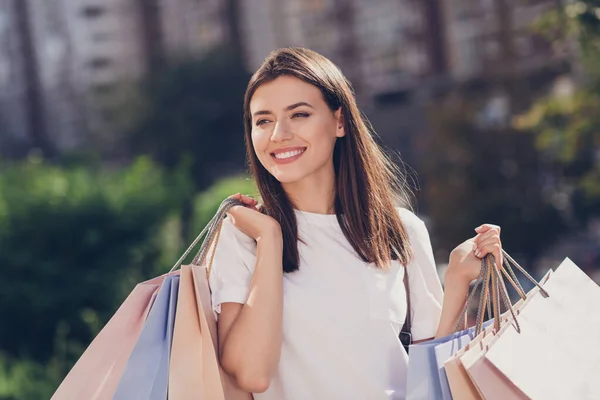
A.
x: 195, y: 372
x: 461, y: 385
x: 554, y: 351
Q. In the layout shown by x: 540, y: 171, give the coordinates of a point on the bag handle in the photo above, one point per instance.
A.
x: 493, y: 291
x: 406, y: 332
x: 210, y: 232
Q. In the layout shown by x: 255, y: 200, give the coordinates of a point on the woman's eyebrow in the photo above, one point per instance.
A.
x: 296, y: 105
x: 288, y: 108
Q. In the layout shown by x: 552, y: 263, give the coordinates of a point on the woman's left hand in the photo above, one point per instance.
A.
x: 465, y: 259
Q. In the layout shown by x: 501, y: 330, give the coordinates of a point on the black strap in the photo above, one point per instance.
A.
x: 405, y: 333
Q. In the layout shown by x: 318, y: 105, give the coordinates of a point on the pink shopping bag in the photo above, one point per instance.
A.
x: 97, y: 372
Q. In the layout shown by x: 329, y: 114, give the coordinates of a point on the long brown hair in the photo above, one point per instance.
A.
x: 368, y: 185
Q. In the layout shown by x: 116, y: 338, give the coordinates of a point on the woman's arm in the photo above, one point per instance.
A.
x: 250, y: 334
x: 456, y: 291
x: 463, y: 268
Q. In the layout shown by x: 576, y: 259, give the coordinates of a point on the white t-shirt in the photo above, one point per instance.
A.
x: 341, y: 316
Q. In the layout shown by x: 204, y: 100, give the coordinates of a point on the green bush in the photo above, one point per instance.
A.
x: 27, y: 380
x: 207, y: 203
x: 73, y: 243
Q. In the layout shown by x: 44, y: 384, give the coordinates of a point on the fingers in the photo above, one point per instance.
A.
x: 482, y: 237
x: 486, y: 227
x: 492, y: 248
x: 488, y: 241
x: 247, y: 200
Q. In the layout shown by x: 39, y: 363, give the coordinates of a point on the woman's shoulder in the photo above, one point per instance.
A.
x: 409, y: 218
x: 230, y: 234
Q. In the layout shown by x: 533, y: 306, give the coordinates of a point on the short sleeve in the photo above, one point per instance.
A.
x: 232, y: 266
x: 426, y: 293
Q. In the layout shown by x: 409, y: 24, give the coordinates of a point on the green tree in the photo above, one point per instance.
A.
x: 191, y: 116
x: 191, y: 112
x: 566, y: 123
x: 73, y: 242
x: 473, y: 175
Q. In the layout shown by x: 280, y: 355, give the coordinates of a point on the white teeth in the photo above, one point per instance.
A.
x: 288, y: 154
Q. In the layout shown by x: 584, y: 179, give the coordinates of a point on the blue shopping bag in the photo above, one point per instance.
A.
x: 446, y: 350
x: 146, y: 375
x: 423, y: 380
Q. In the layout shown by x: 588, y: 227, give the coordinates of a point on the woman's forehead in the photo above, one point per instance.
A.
x: 282, y: 92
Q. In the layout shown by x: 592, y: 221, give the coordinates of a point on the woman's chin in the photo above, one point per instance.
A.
x: 287, y: 177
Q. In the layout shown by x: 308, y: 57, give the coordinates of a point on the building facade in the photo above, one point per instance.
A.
x: 14, y: 123
x: 494, y: 37
x: 83, y: 54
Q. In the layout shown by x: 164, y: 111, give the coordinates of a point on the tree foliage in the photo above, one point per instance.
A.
x: 566, y: 123
x: 73, y: 243
x: 472, y: 175
x: 191, y: 113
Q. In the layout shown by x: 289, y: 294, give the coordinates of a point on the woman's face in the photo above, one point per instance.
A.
x: 293, y: 129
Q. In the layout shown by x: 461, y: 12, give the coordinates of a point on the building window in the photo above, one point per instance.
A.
x: 93, y: 11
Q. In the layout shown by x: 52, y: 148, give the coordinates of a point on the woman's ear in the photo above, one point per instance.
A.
x: 339, y: 117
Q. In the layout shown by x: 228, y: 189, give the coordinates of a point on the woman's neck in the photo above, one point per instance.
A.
x: 315, y: 194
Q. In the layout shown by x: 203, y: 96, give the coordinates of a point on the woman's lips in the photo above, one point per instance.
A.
x: 289, y: 155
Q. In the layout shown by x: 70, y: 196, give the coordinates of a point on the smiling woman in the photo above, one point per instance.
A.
x: 308, y: 285
x: 285, y: 130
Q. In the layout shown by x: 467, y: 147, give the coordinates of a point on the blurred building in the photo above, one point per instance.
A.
x: 192, y: 27
x: 65, y: 64
x: 66, y: 59
x: 381, y: 46
x: 14, y: 122
x: 494, y: 37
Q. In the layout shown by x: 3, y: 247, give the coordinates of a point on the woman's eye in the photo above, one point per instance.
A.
x: 300, y: 114
x: 261, y: 121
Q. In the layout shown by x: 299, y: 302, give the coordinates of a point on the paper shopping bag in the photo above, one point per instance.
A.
x: 194, y: 371
x: 97, y: 372
x: 146, y: 374
x: 555, y: 353
x: 114, y: 365
x: 442, y: 352
x: 208, y: 322
x: 423, y: 381
x: 459, y: 381
x: 445, y: 351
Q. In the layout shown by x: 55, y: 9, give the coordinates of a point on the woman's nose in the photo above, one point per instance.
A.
x: 281, y: 132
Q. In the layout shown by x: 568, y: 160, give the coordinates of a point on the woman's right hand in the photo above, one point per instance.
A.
x: 250, y: 220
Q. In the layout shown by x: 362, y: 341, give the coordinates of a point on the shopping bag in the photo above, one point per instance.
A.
x: 207, y: 317
x: 97, y: 372
x: 423, y: 381
x: 553, y: 353
x: 130, y: 357
x: 195, y: 372
x: 459, y: 380
x: 446, y: 353
x: 442, y: 352
x: 146, y: 374
x: 461, y: 386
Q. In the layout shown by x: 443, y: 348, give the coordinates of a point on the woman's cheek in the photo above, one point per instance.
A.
x: 260, y: 144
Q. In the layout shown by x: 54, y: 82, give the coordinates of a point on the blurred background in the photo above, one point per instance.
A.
x: 121, y: 132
